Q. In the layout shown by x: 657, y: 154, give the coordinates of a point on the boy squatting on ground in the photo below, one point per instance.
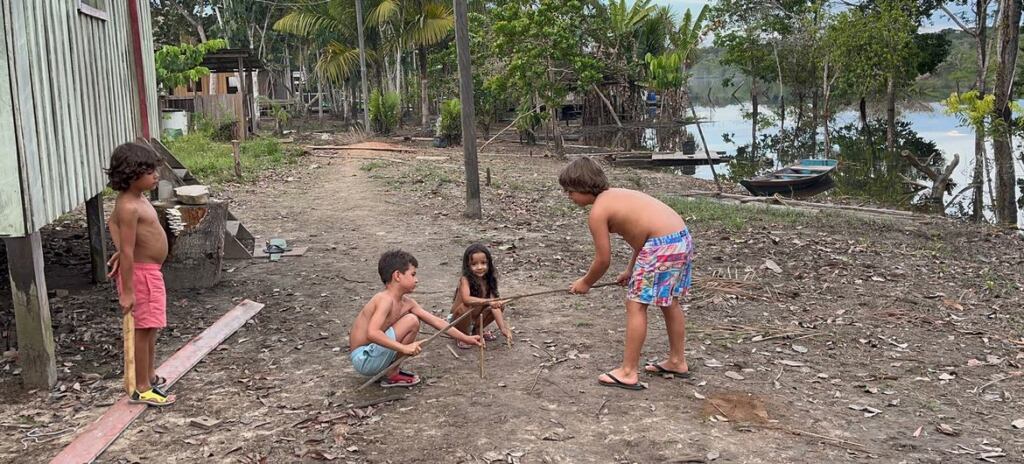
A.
x: 141, y: 249
x: 390, y: 321
x: 659, y: 272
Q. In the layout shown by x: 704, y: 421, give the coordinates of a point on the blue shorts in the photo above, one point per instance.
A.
x: 372, y: 358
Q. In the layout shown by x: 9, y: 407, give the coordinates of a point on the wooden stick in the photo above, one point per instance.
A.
x: 480, y: 328
x: 128, y: 333
x: 546, y: 292
x: 401, y: 358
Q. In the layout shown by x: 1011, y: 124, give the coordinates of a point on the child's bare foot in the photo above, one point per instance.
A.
x: 616, y: 378
x: 681, y: 371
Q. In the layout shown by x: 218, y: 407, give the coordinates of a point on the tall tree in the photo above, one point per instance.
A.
x: 417, y: 25
x: 543, y: 46
x: 1008, y: 23
x: 979, y: 31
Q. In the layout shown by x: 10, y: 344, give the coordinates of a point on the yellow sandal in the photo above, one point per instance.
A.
x: 152, y: 398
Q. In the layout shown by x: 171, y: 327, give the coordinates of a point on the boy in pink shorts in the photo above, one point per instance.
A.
x: 658, y: 274
x: 141, y: 249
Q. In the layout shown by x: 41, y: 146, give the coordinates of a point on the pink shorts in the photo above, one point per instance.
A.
x: 150, y: 296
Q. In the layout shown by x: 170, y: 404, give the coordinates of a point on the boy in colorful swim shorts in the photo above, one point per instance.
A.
x: 389, y: 322
x: 659, y: 272
x: 141, y: 248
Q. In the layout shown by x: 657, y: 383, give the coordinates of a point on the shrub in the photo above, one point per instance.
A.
x: 384, y: 111
x: 449, y: 125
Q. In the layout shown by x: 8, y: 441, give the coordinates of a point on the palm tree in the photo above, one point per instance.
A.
x: 331, y: 26
x: 414, y: 25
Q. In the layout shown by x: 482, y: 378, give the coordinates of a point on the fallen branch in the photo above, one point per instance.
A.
x: 1009, y: 376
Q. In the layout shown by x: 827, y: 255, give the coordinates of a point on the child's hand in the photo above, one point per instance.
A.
x: 127, y: 302
x: 623, y: 278
x: 114, y: 263
x: 412, y: 349
x: 579, y: 286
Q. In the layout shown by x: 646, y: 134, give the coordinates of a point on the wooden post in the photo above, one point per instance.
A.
x: 236, y: 150
x: 243, y: 122
x: 31, y: 311
x: 473, y: 209
x: 97, y: 238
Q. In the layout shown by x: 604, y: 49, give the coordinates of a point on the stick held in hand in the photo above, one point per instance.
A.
x: 128, y: 333
x: 401, y: 358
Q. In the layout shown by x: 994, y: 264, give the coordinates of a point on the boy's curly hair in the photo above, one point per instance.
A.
x: 583, y: 175
x: 129, y: 162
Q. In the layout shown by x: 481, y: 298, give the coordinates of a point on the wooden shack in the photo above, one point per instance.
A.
x: 76, y: 79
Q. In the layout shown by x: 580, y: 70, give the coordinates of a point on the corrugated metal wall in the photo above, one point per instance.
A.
x: 74, y: 99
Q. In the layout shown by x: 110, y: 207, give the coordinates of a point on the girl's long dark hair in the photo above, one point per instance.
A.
x: 491, y: 278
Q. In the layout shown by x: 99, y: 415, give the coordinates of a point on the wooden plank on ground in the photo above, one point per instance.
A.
x: 368, y: 146
x: 92, y: 441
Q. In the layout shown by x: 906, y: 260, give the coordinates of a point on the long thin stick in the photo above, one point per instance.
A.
x: 401, y: 358
x: 480, y: 328
x: 128, y: 333
x: 546, y: 292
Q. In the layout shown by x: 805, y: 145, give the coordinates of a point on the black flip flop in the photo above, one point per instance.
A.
x: 661, y: 370
x: 620, y: 384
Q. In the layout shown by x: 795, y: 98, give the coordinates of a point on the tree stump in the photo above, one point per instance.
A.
x: 195, y: 239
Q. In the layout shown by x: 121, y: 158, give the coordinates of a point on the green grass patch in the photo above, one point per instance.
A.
x: 213, y: 163
x: 372, y: 165
x: 426, y: 173
x: 732, y: 217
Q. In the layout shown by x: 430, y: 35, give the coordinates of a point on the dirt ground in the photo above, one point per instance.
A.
x: 812, y: 338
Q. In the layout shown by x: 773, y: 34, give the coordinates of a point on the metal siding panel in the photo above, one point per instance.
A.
x: 12, y: 213
x: 85, y: 168
x: 125, y: 110
x: 86, y: 80
x: 25, y: 118
x: 150, y: 68
x: 57, y: 194
x: 101, y: 108
x: 44, y: 123
x: 66, y: 158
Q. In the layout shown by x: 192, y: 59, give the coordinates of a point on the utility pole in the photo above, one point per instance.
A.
x: 468, y: 114
x: 362, y: 66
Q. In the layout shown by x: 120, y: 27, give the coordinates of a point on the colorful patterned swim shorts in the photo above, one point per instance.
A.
x: 663, y: 270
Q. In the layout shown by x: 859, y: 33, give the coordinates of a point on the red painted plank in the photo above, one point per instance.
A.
x: 89, y: 444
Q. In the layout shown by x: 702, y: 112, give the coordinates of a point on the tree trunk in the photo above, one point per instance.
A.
x: 424, y: 100
x: 1009, y: 35
x: 980, y: 155
x: 345, y: 108
x: 814, y: 117
x: 319, y: 95
x: 890, y: 115
x: 825, y: 90
x: 753, y: 116
x: 863, y: 113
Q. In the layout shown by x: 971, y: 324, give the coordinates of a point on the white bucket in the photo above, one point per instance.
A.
x: 173, y: 123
